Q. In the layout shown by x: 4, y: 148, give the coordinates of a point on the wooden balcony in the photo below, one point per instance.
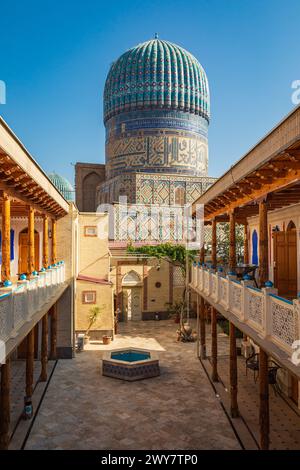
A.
x: 27, y: 301
x: 271, y: 321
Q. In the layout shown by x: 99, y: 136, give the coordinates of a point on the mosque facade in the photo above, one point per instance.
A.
x: 156, y: 116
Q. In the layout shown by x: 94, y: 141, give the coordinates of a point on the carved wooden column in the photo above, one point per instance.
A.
x: 198, y: 324
x: 263, y: 244
x: 45, y: 242
x: 214, y: 346
x: 246, y: 243
x: 53, y: 332
x: 119, y: 296
x: 214, y: 243
x: 44, y: 349
x: 201, y: 255
x: 5, y: 267
x: 31, y: 254
x: 264, y: 420
x: 202, y: 329
x: 202, y: 317
x: 233, y: 373
x: 5, y: 405
x: 54, y: 242
x: 145, y: 287
x: 232, y: 242
x: 29, y: 363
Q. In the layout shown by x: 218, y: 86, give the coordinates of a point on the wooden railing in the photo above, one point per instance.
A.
x: 20, y: 302
x: 268, y: 314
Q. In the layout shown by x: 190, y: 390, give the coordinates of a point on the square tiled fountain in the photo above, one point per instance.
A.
x: 130, y: 364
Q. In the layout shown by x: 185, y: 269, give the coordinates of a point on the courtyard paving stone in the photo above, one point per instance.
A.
x: 284, y: 417
x: 177, y: 410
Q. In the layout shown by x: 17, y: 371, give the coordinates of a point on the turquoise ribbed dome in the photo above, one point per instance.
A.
x: 156, y: 74
x: 63, y: 186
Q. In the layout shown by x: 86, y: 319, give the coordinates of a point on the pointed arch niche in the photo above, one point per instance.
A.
x: 131, y: 279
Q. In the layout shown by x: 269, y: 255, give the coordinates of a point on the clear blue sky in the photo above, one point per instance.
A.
x: 55, y: 56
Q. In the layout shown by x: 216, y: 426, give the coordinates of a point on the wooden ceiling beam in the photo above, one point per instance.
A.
x: 262, y: 190
x: 253, y: 184
x: 16, y: 194
x: 16, y: 182
x: 285, y: 165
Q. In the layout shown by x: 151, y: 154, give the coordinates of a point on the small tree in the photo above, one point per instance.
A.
x: 92, y: 317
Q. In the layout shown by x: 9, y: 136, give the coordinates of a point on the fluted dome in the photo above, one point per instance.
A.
x: 156, y: 75
x: 62, y: 185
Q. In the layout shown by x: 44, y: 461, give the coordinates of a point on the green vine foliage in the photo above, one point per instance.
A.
x: 175, y: 254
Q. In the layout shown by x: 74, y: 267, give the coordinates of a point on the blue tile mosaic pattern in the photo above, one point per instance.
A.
x: 148, y: 120
x: 156, y: 74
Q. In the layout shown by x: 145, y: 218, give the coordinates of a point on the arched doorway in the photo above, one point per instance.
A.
x: 132, y: 296
x: 23, y: 251
x: 89, y: 186
x: 291, y: 226
x: 285, y: 261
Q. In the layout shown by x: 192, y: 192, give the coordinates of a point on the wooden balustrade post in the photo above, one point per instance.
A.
x: 53, y: 344
x: 264, y: 420
x: 31, y: 254
x: 5, y: 266
x: 44, y: 349
x: 233, y: 372
x: 214, y: 243
x: 214, y: 345
x: 29, y: 363
x: 5, y: 405
x: 263, y: 244
x: 54, y: 242
x: 45, y: 242
x: 232, y: 242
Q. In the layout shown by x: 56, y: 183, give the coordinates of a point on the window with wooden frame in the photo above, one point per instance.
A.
x: 89, y: 297
x: 90, y: 230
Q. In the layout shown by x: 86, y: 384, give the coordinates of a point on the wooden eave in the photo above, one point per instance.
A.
x: 270, y: 171
x: 24, y: 181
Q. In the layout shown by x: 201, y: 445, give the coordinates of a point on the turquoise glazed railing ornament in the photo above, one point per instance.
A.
x: 23, y: 277
x: 269, y: 284
x: 7, y: 283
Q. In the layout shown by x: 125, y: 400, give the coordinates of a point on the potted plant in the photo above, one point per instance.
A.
x: 174, y: 311
x: 106, y: 339
x: 93, y: 316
